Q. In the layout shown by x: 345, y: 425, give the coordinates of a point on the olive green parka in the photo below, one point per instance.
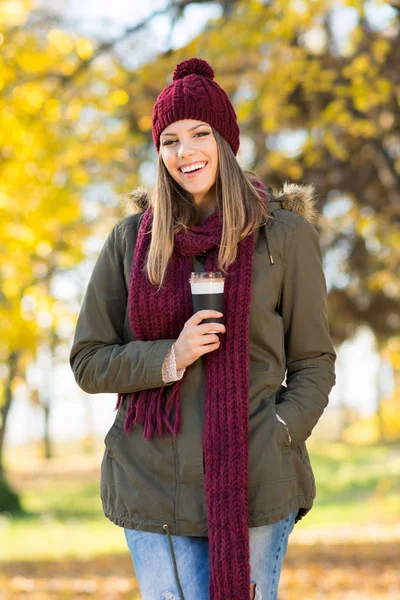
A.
x: 148, y: 483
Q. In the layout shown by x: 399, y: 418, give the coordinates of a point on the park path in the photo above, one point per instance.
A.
x: 313, y: 570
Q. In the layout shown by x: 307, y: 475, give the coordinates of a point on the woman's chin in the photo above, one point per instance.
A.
x: 196, y: 187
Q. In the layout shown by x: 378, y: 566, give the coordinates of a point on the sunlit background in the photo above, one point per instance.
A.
x: 317, y: 91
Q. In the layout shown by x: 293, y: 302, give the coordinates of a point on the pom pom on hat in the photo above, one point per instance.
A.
x: 193, y: 66
x: 193, y: 94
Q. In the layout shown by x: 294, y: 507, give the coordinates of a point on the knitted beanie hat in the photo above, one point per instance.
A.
x: 194, y: 95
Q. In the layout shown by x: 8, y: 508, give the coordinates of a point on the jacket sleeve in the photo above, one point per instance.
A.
x: 310, y: 355
x: 100, y: 359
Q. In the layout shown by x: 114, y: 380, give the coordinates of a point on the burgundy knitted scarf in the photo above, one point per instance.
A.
x: 162, y: 315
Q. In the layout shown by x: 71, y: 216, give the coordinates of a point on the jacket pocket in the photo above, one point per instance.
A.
x: 282, y: 436
x: 269, y: 458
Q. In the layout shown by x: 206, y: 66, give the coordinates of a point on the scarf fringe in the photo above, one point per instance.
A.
x: 120, y: 399
x: 149, y: 408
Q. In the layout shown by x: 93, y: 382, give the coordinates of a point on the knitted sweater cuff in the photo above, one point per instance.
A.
x: 169, y: 371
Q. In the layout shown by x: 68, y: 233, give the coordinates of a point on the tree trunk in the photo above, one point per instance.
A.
x: 48, y: 365
x: 379, y: 412
x: 48, y: 451
x: 9, y: 500
x: 5, y: 408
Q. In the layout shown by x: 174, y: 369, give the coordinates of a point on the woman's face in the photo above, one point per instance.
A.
x: 188, y: 143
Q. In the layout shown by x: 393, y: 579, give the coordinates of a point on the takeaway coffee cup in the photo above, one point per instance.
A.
x: 208, y: 293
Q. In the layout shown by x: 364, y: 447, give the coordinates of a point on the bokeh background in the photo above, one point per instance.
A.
x: 316, y: 85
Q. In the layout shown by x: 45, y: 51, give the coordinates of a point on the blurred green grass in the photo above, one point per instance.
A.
x: 64, y: 517
x: 355, y: 484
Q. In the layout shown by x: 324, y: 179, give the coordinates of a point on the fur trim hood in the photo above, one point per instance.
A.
x: 300, y: 199
x: 297, y: 198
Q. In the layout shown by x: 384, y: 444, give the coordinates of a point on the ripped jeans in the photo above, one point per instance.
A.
x: 155, y: 570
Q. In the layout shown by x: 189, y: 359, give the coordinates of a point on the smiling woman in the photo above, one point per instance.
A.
x: 205, y: 466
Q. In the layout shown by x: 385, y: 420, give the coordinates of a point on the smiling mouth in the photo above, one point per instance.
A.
x: 192, y: 173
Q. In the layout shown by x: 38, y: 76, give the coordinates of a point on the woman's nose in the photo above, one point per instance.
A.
x: 185, y: 150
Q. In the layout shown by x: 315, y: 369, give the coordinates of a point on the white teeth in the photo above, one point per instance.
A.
x: 192, y: 167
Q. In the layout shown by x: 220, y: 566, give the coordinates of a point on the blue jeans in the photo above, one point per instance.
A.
x: 154, y: 567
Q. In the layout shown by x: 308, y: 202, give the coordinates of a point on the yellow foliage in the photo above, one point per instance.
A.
x: 384, y: 89
x: 84, y: 48
x: 28, y: 97
x: 73, y: 109
x: 17, y: 333
x: 34, y: 62
x: 66, y: 260
x: 344, y: 119
x: 43, y: 174
x: 385, y: 280
x: 13, y: 13
x: 275, y: 160
x: 334, y: 109
x: 380, y: 49
x: 362, y: 128
x: 43, y: 249
x: 119, y: 97
x: 365, y: 226
x: 391, y: 416
x: 360, y: 66
x: 52, y: 110
x: 342, y: 91
x: 334, y: 146
x: 366, y: 430
x: 393, y: 349
x: 60, y: 40
x: 294, y: 171
x: 68, y: 66
x: 10, y: 288
x: 311, y: 156
x: 22, y: 233
x: 145, y: 123
x: 79, y: 175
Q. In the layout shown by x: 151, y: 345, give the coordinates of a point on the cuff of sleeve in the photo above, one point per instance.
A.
x: 169, y: 370
x: 156, y: 361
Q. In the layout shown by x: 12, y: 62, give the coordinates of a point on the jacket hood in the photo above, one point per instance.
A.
x: 297, y: 198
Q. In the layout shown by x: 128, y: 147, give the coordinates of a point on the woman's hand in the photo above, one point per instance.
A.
x: 196, y: 340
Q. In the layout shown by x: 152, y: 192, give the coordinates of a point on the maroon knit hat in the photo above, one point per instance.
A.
x: 194, y: 95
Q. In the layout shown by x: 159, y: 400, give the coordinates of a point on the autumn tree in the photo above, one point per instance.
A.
x: 52, y: 153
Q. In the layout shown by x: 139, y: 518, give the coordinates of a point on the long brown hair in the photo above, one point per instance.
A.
x: 174, y: 209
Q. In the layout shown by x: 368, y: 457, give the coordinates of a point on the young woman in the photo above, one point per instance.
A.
x: 205, y: 466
